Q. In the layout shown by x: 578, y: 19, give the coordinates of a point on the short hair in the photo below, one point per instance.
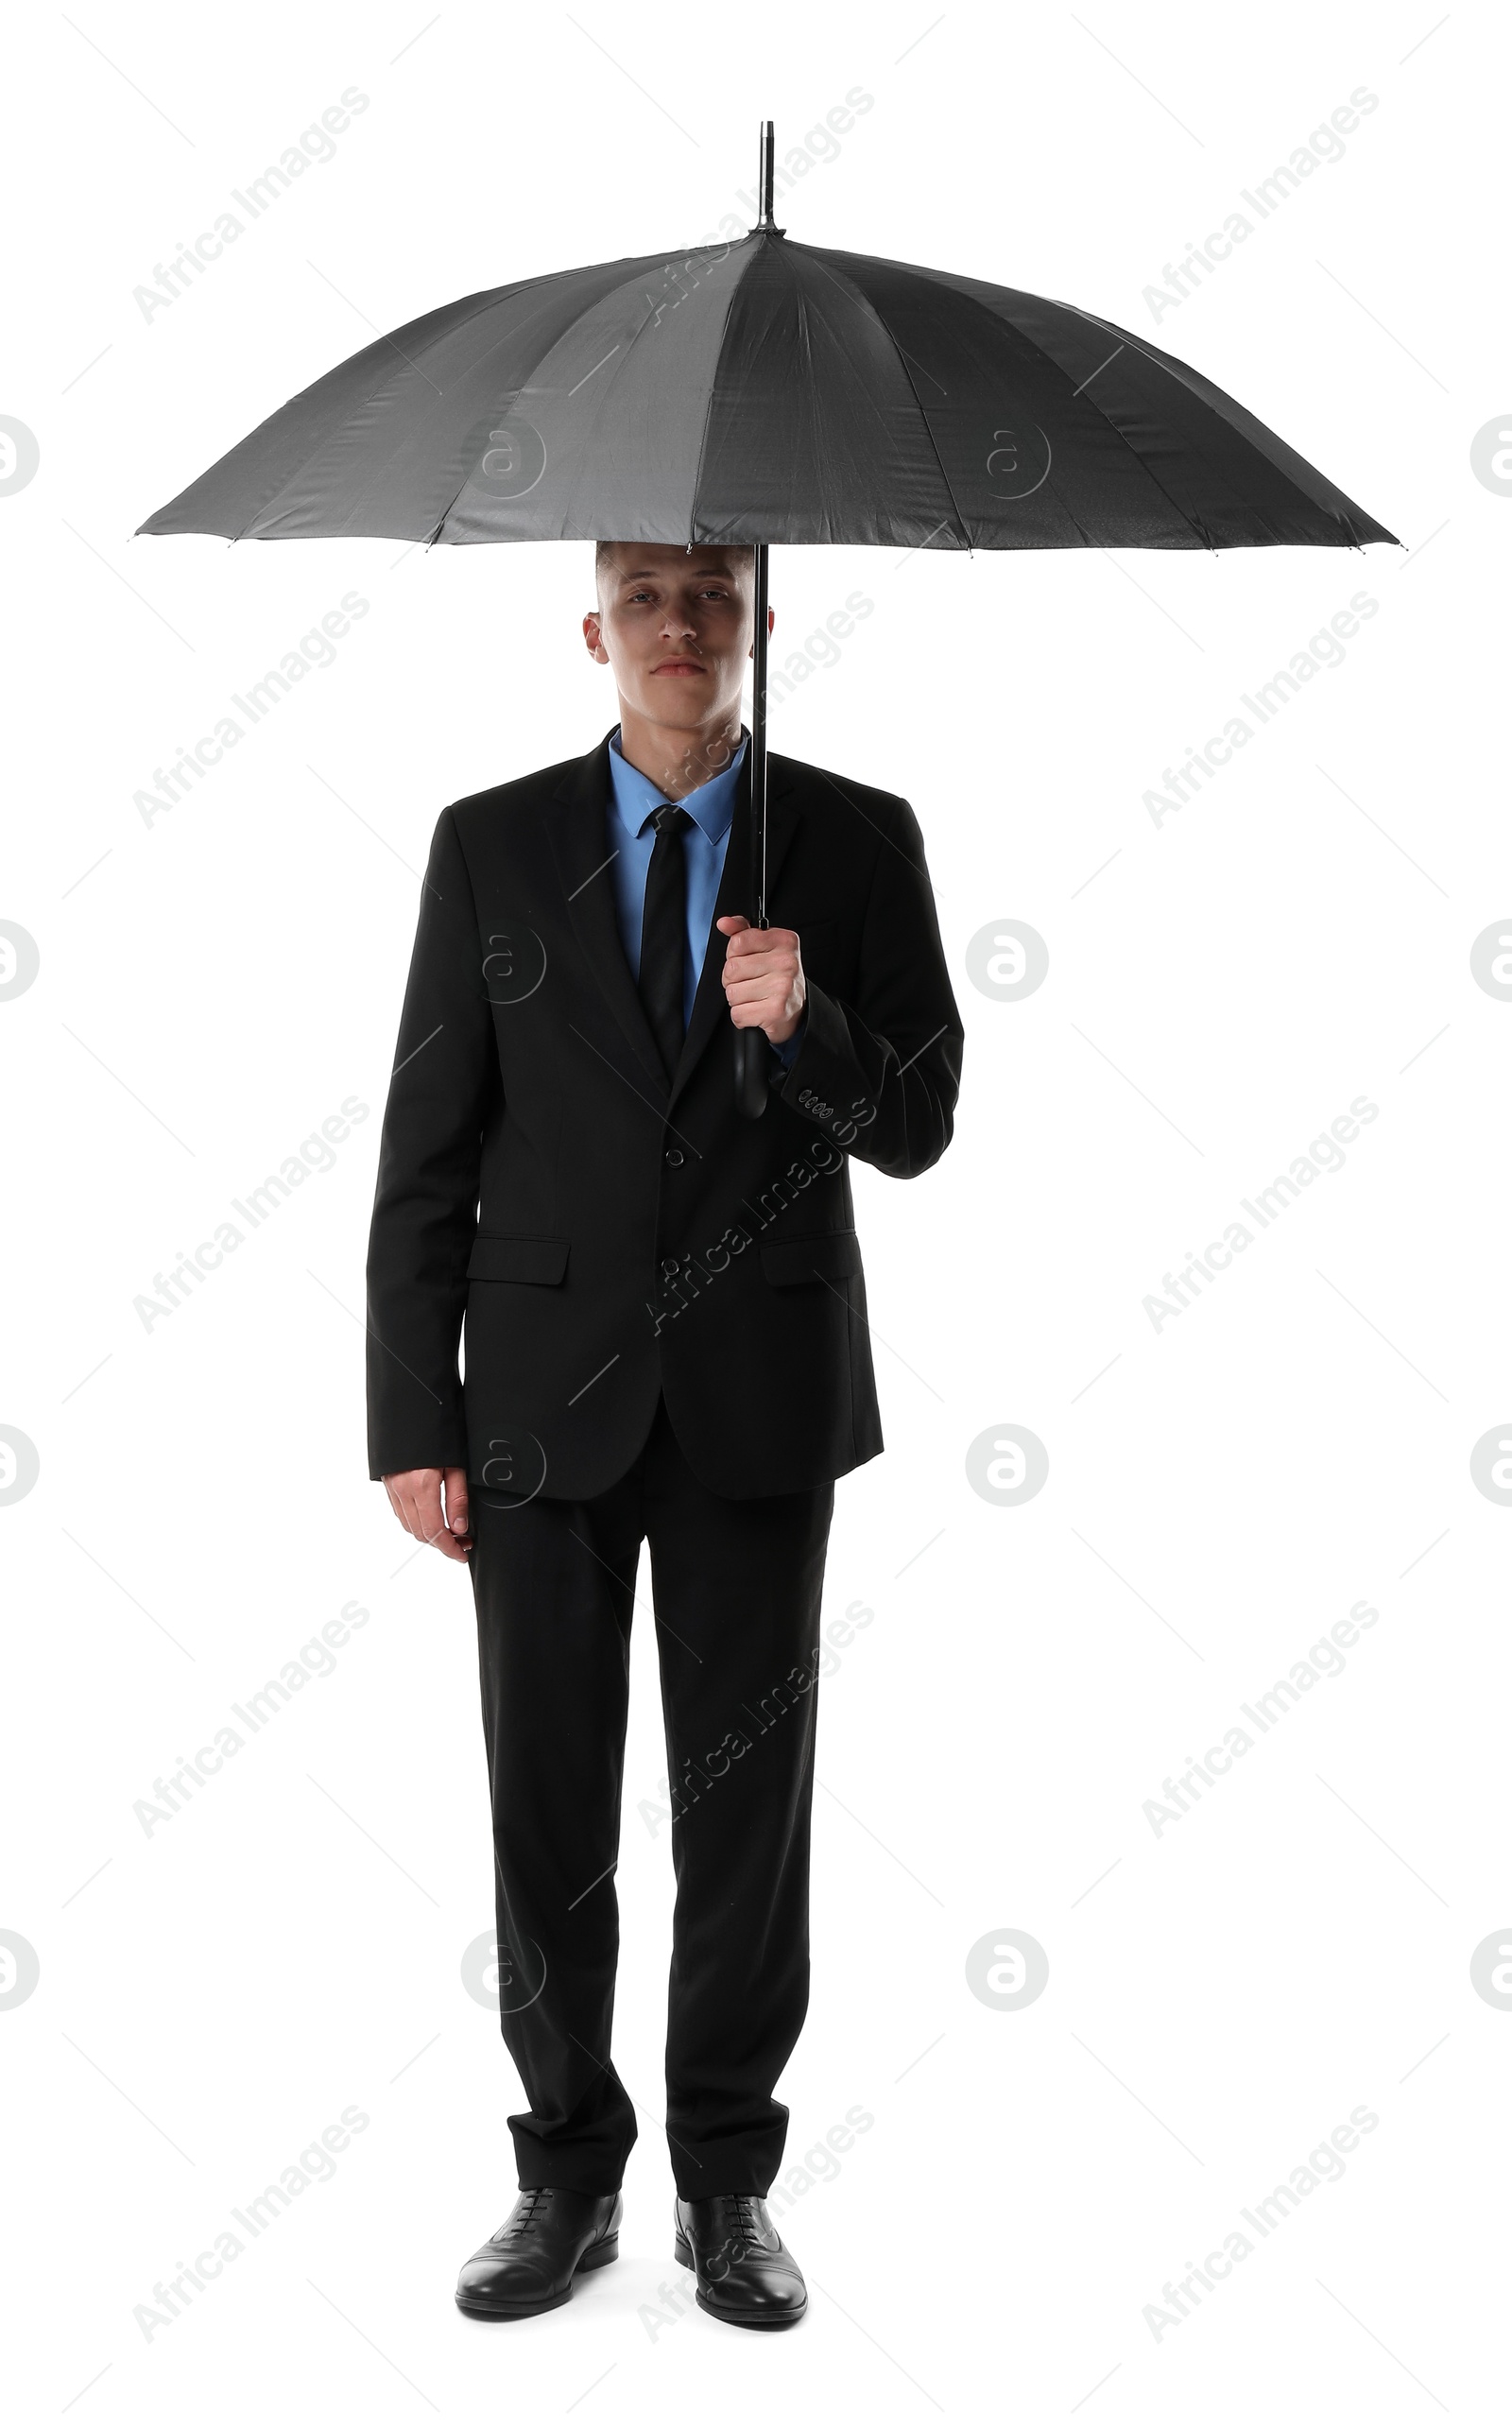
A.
x: 606, y: 550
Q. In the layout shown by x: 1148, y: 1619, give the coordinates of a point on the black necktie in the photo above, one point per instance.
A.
x: 663, y: 933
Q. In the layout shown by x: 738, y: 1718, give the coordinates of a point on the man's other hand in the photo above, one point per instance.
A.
x: 415, y: 1496
x: 764, y: 985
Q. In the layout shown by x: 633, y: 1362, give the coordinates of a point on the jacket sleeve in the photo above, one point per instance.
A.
x: 424, y: 1215
x: 881, y: 1076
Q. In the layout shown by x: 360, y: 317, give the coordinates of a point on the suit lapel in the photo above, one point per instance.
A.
x: 583, y: 846
x: 582, y: 843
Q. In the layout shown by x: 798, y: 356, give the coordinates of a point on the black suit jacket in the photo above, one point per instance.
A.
x: 607, y: 1236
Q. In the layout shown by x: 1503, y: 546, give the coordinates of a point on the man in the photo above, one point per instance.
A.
x: 665, y: 1339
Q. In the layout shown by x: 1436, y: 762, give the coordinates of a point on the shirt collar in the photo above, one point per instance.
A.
x: 635, y: 797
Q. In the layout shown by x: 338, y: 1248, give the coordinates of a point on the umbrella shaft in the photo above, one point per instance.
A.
x: 758, y: 749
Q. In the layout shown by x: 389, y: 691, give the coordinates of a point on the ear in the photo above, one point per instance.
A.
x: 771, y: 626
x: 594, y: 638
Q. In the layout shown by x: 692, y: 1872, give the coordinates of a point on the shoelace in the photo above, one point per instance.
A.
x: 747, y: 2223
x: 524, y: 2218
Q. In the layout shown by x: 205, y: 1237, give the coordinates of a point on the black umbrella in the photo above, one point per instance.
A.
x: 766, y: 391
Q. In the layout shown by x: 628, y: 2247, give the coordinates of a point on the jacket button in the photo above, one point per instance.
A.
x: 674, y: 1154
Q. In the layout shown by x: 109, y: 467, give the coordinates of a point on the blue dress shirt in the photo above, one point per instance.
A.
x: 633, y: 803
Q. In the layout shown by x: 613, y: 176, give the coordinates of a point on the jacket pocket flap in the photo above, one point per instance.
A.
x: 825, y: 1256
x: 497, y: 1259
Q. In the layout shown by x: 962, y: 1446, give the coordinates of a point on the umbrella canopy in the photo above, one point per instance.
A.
x: 759, y: 392
x: 769, y: 391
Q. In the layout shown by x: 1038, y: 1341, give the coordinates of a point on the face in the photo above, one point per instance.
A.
x: 675, y: 625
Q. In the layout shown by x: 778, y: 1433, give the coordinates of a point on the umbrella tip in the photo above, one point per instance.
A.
x: 764, y: 179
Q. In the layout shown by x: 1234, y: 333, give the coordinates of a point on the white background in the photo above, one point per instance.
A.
x: 1220, y: 1492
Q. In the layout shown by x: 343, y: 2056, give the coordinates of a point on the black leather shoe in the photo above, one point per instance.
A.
x: 548, y: 2239
x: 746, y: 2273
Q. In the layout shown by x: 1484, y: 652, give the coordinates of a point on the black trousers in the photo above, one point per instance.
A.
x: 736, y: 1588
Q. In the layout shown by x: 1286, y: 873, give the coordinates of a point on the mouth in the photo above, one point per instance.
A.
x: 681, y: 666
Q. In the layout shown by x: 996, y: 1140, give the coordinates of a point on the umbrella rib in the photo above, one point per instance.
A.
x: 859, y: 295
x: 1061, y: 373
x: 943, y: 278
x: 1183, y: 373
x: 435, y: 536
x: 1108, y: 423
x: 486, y: 301
x: 709, y: 401
x: 627, y: 348
x: 1127, y: 341
x: 998, y: 319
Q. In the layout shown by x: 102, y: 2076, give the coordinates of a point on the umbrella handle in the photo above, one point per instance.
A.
x: 751, y: 1087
